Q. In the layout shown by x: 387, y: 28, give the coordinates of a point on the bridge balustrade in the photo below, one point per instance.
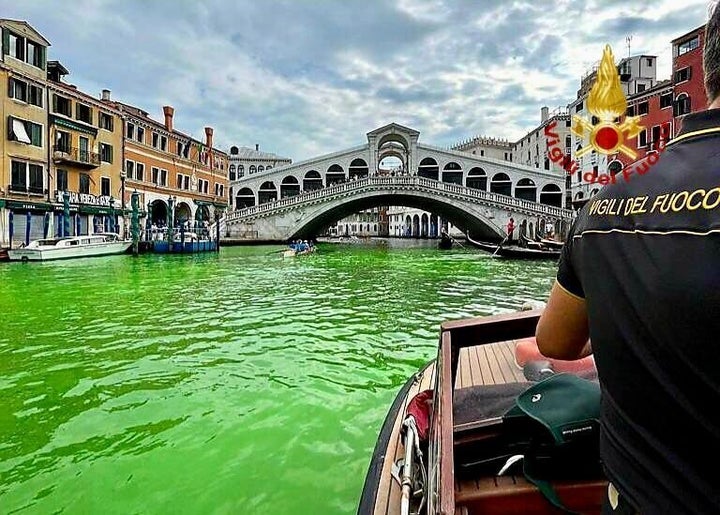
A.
x: 415, y: 181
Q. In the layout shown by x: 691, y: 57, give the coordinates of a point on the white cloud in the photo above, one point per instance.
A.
x: 303, y: 78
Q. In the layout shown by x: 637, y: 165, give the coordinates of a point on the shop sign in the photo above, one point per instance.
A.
x: 85, y: 198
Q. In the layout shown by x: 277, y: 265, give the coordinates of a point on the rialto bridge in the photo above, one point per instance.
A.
x: 474, y: 193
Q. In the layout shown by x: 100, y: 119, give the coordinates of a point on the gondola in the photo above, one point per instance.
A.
x: 426, y: 456
x: 514, y: 251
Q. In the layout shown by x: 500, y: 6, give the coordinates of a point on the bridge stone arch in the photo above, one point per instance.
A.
x: 473, y: 219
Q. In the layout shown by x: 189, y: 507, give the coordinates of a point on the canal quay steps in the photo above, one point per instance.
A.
x: 483, y: 213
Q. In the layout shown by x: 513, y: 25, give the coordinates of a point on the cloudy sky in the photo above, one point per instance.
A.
x: 307, y: 77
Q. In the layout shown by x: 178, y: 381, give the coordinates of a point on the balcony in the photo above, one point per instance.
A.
x: 75, y: 156
x: 26, y: 190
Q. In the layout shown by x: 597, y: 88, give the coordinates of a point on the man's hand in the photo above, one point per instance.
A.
x: 562, y: 332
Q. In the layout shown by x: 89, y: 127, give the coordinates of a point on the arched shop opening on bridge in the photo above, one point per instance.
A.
x: 335, y: 175
x: 358, y: 169
x: 452, y: 173
x: 551, y: 195
x: 312, y: 181
x: 289, y: 187
x: 244, y: 198
x: 429, y: 169
x: 477, y: 179
x: 525, y: 189
x: 501, y: 184
x: 267, y: 192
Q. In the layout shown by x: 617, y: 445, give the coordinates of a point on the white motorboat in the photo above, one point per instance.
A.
x: 71, y: 247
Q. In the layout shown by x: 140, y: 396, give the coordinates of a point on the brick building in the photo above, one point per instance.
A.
x: 688, y: 75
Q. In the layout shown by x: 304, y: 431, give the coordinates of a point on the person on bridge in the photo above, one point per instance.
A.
x: 644, y: 285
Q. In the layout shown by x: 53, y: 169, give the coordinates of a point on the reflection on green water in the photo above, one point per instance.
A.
x: 230, y: 383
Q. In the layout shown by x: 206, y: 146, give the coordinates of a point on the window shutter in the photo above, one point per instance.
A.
x: 41, y: 56
x: 54, y: 103
x: 5, y: 42
x: 11, y: 136
x: 689, y: 72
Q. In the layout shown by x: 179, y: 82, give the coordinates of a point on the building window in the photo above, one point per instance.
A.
x: 16, y: 46
x: 642, y: 139
x: 186, y: 184
x: 130, y: 130
x: 84, y: 183
x: 643, y: 108
x: 665, y: 100
x: 179, y: 181
x: 631, y: 111
x: 155, y: 174
x: 179, y: 148
x: 579, y: 107
x: 35, y: 95
x: 62, y: 105
x: 63, y: 141
x: 26, y: 177
x: 155, y: 139
x: 130, y: 169
x: 649, y: 61
x: 163, y: 177
x: 655, y: 136
x: 232, y: 172
x: 163, y: 143
x: 240, y: 171
x: 35, y: 55
x: 640, y: 88
x: 683, y: 75
x: 24, y: 131
x: 252, y: 169
x: 83, y: 113
x: 106, y: 153
x: 106, y: 122
x: 18, y: 89
x: 141, y: 135
x: 61, y: 180
x: 482, y: 153
x: 139, y: 172
x: 105, y: 186
x: 682, y: 104
x: 687, y: 46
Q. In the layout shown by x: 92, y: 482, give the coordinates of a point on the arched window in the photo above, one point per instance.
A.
x: 682, y: 104
x: 551, y: 195
x: 476, y: 179
x: 429, y: 168
x: 501, y: 184
x: 240, y: 171
x: 312, y: 181
x: 232, y: 172
x: 261, y: 168
x: 252, y: 169
x: 525, y: 189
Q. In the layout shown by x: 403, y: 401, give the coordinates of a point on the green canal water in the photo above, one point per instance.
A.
x: 236, y: 382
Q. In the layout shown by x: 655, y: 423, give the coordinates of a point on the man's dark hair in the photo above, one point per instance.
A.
x: 711, y: 57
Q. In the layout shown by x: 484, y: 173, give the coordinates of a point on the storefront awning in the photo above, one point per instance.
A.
x: 69, y: 124
x: 29, y: 206
x: 95, y: 210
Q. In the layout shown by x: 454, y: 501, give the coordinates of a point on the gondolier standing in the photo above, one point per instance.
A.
x: 510, y: 229
x: 643, y: 284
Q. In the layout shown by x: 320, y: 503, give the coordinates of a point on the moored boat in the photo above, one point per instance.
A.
x: 454, y: 471
x: 71, y: 247
x: 185, y: 242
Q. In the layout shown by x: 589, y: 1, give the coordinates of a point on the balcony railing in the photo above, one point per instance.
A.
x: 76, y: 156
x: 24, y: 188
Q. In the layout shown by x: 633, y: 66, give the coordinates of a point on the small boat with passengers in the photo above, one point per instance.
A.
x: 537, y: 251
x: 299, y: 248
x: 71, y: 247
x: 467, y: 434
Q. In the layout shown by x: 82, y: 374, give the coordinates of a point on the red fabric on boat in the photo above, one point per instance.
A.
x: 420, y: 407
x: 526, y: 350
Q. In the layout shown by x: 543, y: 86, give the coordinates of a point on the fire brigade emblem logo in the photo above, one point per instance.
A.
x: 607, y: 102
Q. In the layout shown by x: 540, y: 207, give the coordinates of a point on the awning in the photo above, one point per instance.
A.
x: 69, y: 124
x: 19, y: 132
x: 221, y: 205
x: 2, y: 202
x: 95, y: 210
x: 29, y: 206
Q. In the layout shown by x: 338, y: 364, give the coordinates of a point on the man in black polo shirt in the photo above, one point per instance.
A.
x: 640, y: 276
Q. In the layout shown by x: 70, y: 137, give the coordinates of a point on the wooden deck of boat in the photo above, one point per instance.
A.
x: 480, y: 365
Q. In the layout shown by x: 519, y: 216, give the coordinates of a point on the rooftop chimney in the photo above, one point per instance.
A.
x: 168, y: 111
x: 257, y: 147
x: 208, y: 136
x: 544, y: 114
x: 106, y: 95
